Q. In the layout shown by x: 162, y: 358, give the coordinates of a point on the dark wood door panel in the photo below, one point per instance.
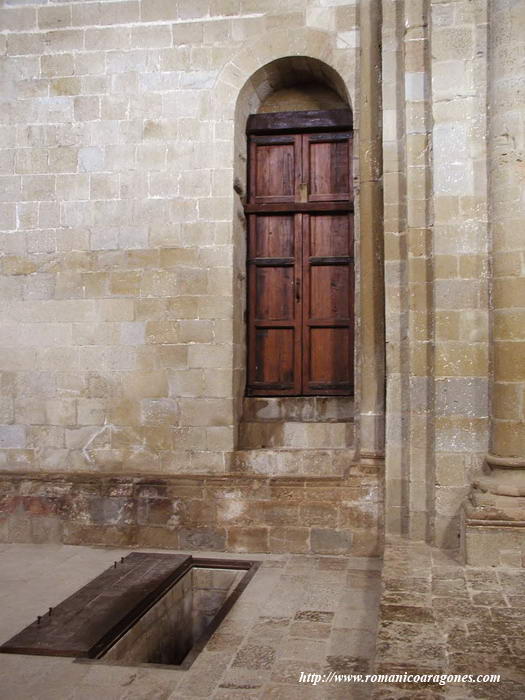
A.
x: 330, y: 299
x: 274, y: 293
x: 274, y: 237
x: 327, y: 167
x: 328, y: 306
x: 275, y: 168
x: 300, y: 168
x: 274, y: 360
x: 331, y: 235
x: 328, y: 360
x: 274, y: 309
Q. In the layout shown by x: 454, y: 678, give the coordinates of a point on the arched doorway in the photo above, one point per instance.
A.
x: 299, y: 209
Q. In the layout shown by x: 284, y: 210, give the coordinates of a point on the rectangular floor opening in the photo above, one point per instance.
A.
x: 174, y: 630
x: 146, y: 609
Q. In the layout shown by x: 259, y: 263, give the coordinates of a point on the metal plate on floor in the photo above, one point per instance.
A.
x: 91, y: 619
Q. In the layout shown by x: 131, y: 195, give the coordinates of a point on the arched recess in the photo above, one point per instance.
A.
x: 243, y: 84
x: 288, y: 83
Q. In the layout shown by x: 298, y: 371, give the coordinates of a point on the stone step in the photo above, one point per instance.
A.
x: 303, y: 409
x: 289, y: 434
x: 328, y: 462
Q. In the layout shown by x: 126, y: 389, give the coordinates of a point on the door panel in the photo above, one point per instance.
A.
x: 329, y: 297
x: 331, y: 235
x: 327, y: 167
x: 274, y: 237
x: 329, y: 371
x: 274, y: 293
x: 274, y: 358
x: 274, y: 168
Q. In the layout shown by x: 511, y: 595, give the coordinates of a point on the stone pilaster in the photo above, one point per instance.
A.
x: 498, y: 499
x: 371, y: 295
x: 407, y: 149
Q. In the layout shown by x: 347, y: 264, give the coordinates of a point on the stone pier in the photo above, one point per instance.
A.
x: 495, y: 514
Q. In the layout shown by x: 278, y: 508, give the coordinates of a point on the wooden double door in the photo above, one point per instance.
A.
x: 300, y: 256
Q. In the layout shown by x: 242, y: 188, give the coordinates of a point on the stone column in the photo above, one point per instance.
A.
x: 499, y: 496
x: 371, y: 294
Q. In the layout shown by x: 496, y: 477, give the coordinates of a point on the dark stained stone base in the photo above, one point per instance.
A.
x: 230, y: 513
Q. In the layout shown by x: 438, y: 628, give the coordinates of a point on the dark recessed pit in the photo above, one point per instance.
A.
x: 146, y: 609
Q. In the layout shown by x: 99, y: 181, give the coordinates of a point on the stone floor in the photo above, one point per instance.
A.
x: 299, y: 613
x: 439, y: 617
x: 313, y: 614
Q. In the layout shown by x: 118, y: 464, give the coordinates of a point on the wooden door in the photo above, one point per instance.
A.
x: 300, y: 263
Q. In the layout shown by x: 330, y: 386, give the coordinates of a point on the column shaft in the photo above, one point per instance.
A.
x: 506, y: 191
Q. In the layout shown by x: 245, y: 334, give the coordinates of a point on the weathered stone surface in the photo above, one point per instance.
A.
x: 309, y: 630
x: 246, y: 539
x: 201, y: 538
x: 317, y: 616
x: 290, y: 539
x: 407, y: 613
x: 449, y: 634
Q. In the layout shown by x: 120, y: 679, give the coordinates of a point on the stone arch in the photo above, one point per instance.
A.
x: 241, y: 74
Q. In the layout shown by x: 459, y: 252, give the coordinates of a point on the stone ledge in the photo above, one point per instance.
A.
x: 357, y: 471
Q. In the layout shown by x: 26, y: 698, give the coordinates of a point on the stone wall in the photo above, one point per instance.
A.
x: 120, y: 347
x: 122, y: 350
